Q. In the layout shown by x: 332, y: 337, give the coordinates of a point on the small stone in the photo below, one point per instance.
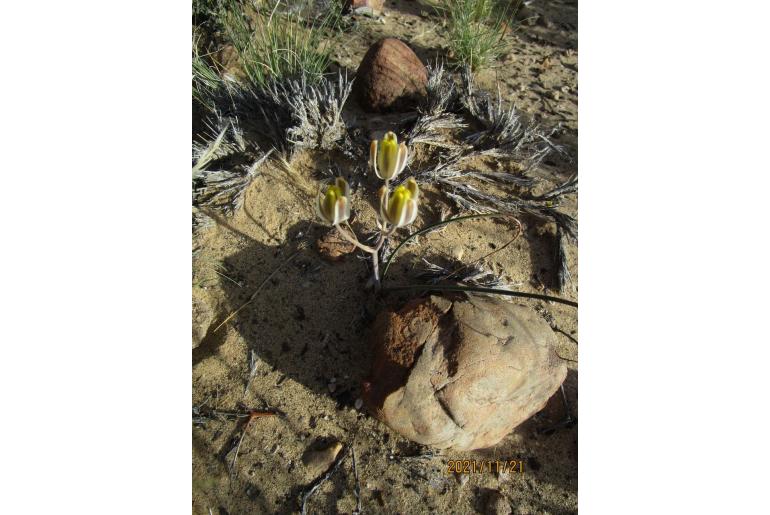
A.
x: 318, y: 462
x: 359, y: 403
x: 390, y: 78
x: 333, y: 247
x: 457, y: 252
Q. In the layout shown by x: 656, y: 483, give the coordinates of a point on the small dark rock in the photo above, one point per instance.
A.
x: 333, y: 247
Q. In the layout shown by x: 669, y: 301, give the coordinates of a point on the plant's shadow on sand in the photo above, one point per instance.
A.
x: 310, y: 321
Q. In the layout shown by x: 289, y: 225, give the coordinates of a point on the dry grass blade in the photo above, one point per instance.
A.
x: 436, y: 113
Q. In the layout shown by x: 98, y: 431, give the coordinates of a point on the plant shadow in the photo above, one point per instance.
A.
x: 299, y: 322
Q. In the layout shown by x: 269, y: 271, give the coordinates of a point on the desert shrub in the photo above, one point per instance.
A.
x: 278, y: 40
x: 477, y: 29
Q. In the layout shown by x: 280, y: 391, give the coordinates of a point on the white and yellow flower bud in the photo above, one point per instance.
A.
x: 333, y: 205
x: 387, y: 157
x: 400, y: 207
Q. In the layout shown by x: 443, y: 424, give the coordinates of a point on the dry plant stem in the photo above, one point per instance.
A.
x: 374, y: 251
x: 252, y: 415
x: 318, y: 482
x: 496, y: 291
x: 351, y: 237
x: 482, y: 258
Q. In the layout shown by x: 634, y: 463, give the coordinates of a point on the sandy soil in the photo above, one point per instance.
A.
x: 308, y: 325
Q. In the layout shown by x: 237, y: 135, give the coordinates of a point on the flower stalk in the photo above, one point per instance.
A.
x: 398, y: 208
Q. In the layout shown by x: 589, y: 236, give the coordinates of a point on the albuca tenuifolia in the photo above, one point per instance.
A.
x: 398, y: 208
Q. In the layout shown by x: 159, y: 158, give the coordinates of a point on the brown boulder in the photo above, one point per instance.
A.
x: 390, y: 77
x: 461, y: 374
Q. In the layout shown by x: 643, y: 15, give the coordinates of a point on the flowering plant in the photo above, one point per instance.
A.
x: 398, y: 208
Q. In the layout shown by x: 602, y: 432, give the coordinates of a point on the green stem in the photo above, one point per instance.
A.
x: 510, y: 293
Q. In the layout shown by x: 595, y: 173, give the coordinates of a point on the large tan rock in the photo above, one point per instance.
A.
x: 390, y: 77
x: 461, y: 374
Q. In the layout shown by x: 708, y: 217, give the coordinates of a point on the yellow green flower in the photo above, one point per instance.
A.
x: 400, y: 207
x: 387, y: 157
x: 333, y: 205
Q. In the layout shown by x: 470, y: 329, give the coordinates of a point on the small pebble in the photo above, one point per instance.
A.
x: 359, y: 403
x: 317, y: 462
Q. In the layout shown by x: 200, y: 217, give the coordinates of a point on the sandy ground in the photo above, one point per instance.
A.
x: 308, y: 325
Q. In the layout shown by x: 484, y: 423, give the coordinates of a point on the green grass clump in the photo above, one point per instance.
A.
x: 276, y: 40
x: 206, y: 80
x: 477, y: 30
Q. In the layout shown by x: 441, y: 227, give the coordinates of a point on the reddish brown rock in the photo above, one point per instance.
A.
x: 461, y: 374
x: 333, y: 247
x: 390, y: 78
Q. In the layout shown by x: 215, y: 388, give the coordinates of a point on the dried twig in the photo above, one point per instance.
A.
x: 252, y: 414
x: 253, y: 366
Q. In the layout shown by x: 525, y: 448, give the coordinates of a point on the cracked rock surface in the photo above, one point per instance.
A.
x: 461, y: 374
